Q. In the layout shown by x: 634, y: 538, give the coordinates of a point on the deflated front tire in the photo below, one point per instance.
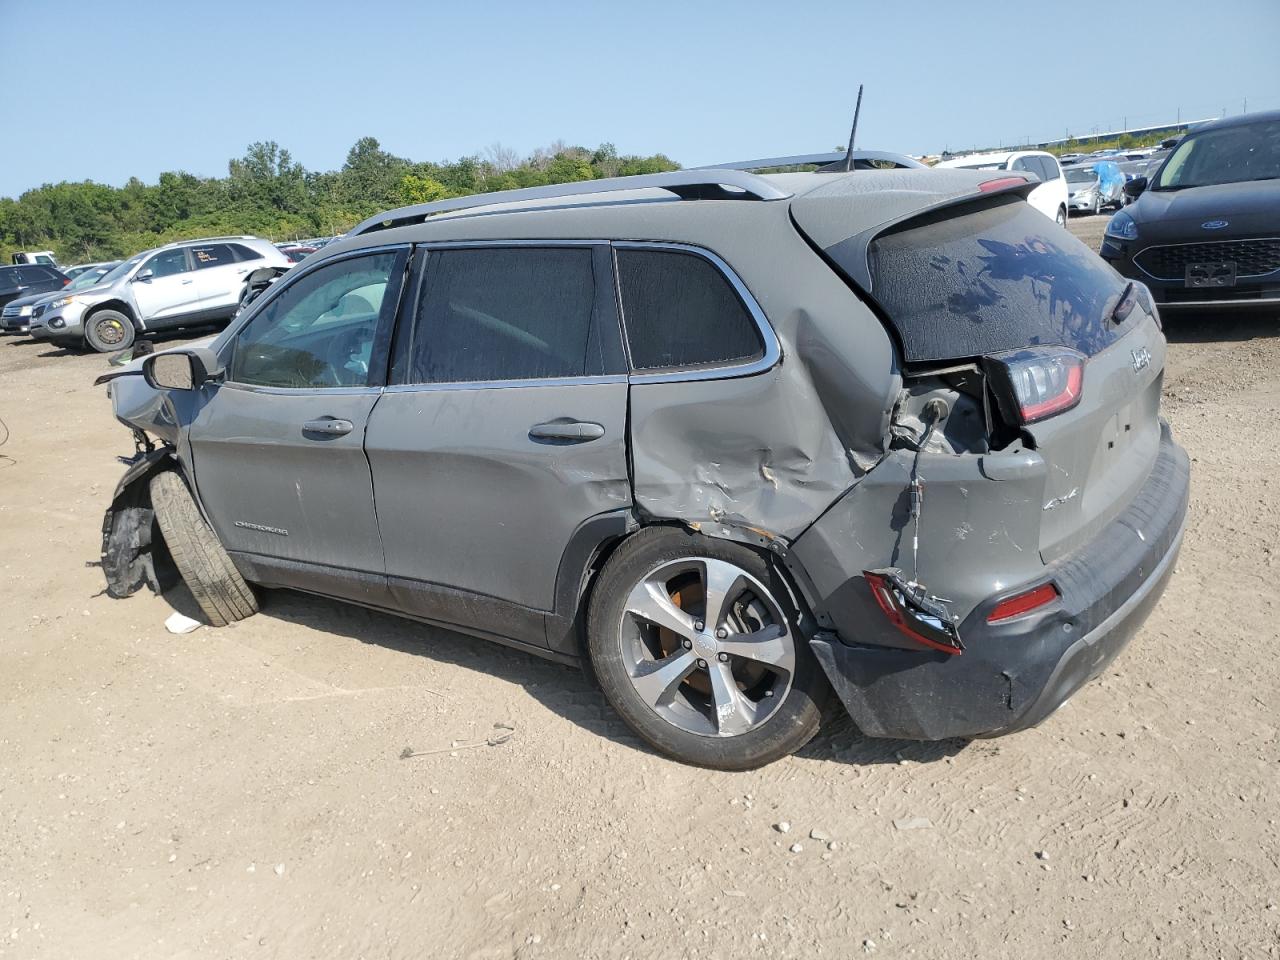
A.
x: 223, y: 595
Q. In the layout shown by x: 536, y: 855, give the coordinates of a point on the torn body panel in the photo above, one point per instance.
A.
x: 1014, y: 671
x: 128, y: 560
x: 977, y: 535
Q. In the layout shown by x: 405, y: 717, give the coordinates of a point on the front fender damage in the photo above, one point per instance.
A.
x: 129, y: 541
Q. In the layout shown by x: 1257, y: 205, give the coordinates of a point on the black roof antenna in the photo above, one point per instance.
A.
x: 848, y: 157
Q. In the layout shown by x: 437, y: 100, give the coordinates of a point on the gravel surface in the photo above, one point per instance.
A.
x: 318, y: 781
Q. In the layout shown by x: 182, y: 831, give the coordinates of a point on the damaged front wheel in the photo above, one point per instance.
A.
x: 212, y: 578
x: 696, y: 643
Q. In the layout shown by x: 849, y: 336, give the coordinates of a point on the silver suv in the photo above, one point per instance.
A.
x: 732, y: 441
x: 182, y: 284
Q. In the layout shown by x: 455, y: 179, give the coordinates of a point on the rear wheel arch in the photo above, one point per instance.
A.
x: 798, y: 714
x: 774, y: 554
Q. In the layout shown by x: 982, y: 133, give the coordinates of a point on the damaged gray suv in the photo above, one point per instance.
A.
x: 733, y: 442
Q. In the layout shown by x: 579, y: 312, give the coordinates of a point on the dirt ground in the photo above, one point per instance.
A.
x: 241, y: 793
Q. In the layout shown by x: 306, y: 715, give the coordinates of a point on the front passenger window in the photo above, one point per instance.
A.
x: 167, y: 263
x: 321, y: 330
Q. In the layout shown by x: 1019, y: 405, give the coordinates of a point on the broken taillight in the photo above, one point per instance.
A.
x: 1024, y: 602
x: 909, y: 608
x: 1037, y: 382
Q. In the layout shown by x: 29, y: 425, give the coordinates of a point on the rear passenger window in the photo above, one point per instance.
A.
x: 505, y: 314
x: 681, y: 311
x: 212, y: 255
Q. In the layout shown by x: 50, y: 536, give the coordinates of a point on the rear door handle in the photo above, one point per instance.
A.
x: 565, y: 430
x: 185, y: 282
x: 328, y: 427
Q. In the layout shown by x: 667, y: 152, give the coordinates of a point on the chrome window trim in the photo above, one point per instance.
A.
x: 772, y: 346
x: 457, y: 244
x: 506, y: 384
x: 297, y: 391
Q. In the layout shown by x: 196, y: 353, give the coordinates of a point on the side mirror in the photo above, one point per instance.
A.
x: 181, y: 369
x: 143, y: 276
x: 1134, y: 187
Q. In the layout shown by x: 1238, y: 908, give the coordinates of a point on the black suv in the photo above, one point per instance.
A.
x: 29, y: 278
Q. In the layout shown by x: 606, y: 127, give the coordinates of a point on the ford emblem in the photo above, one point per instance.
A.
x: 1214, y: 224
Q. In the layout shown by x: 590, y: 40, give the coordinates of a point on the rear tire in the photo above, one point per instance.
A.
x: 734, y: 694
x: 1061, y: 218
x: 108, y: 331
x: 212, y: 578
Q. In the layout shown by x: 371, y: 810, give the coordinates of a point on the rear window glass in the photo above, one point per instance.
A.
x: 681, y: 311
x: 997, y: 278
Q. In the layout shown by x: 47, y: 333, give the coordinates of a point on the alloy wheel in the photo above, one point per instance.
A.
x: 707, y: 646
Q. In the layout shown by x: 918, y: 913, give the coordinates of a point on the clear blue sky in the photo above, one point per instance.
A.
x: 106, y: 89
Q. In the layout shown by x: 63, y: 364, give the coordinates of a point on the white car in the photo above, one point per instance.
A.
x: 1050, y: 198
x: 185, y: 284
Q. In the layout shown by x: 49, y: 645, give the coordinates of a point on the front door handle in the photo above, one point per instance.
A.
x: 565, y: 430
x: 328, y: 427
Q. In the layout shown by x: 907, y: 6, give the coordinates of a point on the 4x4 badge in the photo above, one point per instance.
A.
x: 1141, y: 359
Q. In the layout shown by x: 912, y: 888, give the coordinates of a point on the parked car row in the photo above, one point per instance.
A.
x: 17, y: 314
x: 185, y: 284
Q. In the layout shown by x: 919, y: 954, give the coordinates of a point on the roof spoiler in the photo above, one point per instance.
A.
x: 829, y: 162
x: 702, y: 184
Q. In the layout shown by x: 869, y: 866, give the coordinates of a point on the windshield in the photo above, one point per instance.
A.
x: 1250, y: 151
x: 89, y: 278
x: 121, y: 270
x: 1081, y: 175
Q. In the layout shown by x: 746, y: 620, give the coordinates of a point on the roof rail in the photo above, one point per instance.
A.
x: 686, y: 184
x: 820, y: 159
x: 239, y: 236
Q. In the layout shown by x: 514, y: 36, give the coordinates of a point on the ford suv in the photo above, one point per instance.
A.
x: 734, y: 442
x: 186, y: 284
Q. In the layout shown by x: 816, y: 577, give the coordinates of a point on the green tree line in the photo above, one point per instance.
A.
x: 269, y: 194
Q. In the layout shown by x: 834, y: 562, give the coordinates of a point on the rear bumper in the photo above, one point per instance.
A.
x: 1014, y: 674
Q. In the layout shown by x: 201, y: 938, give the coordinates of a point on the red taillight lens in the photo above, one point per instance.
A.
x: 65, y: 281
x: 1016, y: 606
x: 1043, y: 381
x: 1003, y: 183
x: 928, y: 627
